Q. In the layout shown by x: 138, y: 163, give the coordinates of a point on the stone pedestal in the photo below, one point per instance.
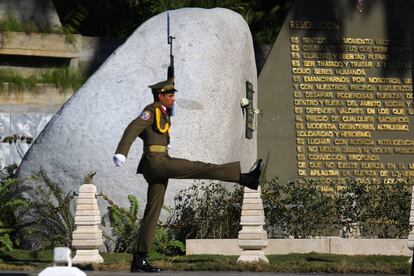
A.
x: 410, y: 240
x: 87, y: 237
x: 252, y: 238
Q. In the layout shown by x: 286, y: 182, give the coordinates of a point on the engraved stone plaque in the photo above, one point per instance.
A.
x: 337, y: 94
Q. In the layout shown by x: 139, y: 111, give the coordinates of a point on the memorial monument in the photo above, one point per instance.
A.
x: 212, y: 66
x: 337, y: 95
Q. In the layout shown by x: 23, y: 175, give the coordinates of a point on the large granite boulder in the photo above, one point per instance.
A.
x: 213, y: 60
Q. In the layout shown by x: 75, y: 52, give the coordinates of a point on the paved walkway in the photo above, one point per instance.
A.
x: 193, y: 273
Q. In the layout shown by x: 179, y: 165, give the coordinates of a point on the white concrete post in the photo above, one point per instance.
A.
x: 87, y: 237
x: 410, y: 241
x: 252, y: 238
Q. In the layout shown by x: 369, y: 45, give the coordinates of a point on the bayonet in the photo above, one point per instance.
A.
x: 170, y: 38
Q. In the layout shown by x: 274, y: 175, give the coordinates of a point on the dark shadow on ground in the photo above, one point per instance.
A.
x: 313, y: 259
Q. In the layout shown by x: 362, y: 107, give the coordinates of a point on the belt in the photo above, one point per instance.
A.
x: 156, y: 148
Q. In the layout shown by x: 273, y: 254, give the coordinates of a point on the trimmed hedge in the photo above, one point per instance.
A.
x: 305, y: 209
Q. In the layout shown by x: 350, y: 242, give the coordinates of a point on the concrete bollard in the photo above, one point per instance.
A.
x: 87, y: 237
x: 252, y: 238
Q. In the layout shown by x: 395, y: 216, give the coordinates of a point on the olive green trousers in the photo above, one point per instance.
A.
x: 157, y: 169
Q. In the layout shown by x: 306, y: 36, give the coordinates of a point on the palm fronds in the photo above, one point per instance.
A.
x: 50, y: 216
x: 125, y: 225
x: 11, y: 200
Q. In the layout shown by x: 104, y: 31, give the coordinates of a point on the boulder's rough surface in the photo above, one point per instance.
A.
x: 213, y: 60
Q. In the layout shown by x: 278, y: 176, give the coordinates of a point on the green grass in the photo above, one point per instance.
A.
x: 62, y: 78
x: 312, y: 262
x: 10, y: 23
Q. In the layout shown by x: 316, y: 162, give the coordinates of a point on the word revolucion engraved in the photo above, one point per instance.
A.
x: 314, y: 25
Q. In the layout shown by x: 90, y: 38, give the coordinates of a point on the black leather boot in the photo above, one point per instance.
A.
x: 251, y: 179
x: 140, y: 263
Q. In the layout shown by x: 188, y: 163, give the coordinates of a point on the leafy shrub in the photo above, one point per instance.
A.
x: 166, y: 244
x: 387, y: 210
x: 207, y: 210
x: 298, y: 209
x: 304, y: 209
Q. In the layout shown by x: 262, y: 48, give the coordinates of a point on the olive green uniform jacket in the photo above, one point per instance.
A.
x: 158, y: 167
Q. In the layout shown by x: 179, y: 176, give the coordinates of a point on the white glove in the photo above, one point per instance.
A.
x: 119, y: 159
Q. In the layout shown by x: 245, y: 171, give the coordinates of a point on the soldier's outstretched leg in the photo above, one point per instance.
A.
x: 186, y: 169
x: 155, y: 200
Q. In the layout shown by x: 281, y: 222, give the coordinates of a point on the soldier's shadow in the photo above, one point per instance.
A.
x: 313, y: 259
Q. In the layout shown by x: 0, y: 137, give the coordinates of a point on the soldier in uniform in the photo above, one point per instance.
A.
x: 153, y: 127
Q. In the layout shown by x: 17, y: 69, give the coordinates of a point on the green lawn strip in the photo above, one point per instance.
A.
x: 25, y: 260
x: 312, y: 262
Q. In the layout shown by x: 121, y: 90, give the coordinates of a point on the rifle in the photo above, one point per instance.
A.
x: 170, y: 38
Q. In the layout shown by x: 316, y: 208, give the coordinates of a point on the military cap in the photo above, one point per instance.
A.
x: 166, y: 86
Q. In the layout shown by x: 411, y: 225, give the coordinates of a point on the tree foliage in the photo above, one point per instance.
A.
x: 121, y: 17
